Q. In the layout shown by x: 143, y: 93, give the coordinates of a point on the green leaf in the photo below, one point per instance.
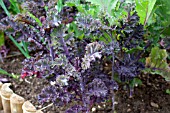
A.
x: 138, y: 48
x: 86, y: 9
x: 25, y: 46
x: 59, y: 5
x: 157, y: 63
x: 35, y: 18
x: 78, y: 33
x: 14, y: 6
x: 6, y: 73
x: 109, y: 7
x: 46, y: 8
x: 106, y: 5
x: 19, y: 47
x: 144, y: 9
x: 168, y: 91
x: 2, y: 39
x: 135, y: 82
x: 162, y: 15
x: 4, y: 7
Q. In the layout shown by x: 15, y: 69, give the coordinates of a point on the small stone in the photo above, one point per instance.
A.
x: 104, y: 105
x: 149, y: 84
x: 115, y: 102
x: 99, y: 106
x: 93, y: 109
x: 129, y: 110
x: 154, y: 105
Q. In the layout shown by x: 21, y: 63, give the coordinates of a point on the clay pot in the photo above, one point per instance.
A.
x: 16, y: 103
x: 6, y: 93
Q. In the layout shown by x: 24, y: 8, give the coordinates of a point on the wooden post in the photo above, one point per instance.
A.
x: 6, y: 93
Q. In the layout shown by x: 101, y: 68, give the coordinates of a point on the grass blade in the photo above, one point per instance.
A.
x: 6, y: 73
x: 19, y: 47
x: 4, y: 7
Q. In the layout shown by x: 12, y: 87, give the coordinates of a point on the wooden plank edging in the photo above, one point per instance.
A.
x: 13, y: 103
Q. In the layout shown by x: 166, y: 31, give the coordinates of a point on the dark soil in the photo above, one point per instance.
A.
x: 150, y: 97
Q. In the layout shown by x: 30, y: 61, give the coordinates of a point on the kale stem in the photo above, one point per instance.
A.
x: 52, y: 53
x: 51, y: 47
x: 64, y: 46
x: 113, y: 60
x: 113, y: 101
x: 82, y: 92
x: 62, y: 41
x: 131, y: 91
x: 1, y: 59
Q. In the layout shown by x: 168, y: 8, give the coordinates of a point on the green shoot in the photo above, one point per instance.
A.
x: 14, y: 6
x: 2, y: 39
x: 24, y: 52
x: 35, y: 18
x: 4, y: 7
x: 6, y: 73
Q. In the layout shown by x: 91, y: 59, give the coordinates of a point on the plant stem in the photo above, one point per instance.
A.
x: 1, y: 59
x: 113, y: 101
x: 64, y: 46
x: 131, y: 91
x: 51, y: 47
x: 113, y: 60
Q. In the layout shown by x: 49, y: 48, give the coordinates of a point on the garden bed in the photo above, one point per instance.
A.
x: 151, y: 97
x: 80, y: 56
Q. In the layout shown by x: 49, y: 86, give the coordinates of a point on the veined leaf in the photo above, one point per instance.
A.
x: 157, y: 63
x: 107, y: 6
x: 144, y: 9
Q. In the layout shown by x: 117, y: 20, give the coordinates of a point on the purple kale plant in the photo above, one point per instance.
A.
x: 61, y: 57
x: 70, y: 50
x: 80, y: 82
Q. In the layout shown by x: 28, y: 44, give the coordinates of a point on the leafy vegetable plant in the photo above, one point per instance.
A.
x: 157, y: 63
